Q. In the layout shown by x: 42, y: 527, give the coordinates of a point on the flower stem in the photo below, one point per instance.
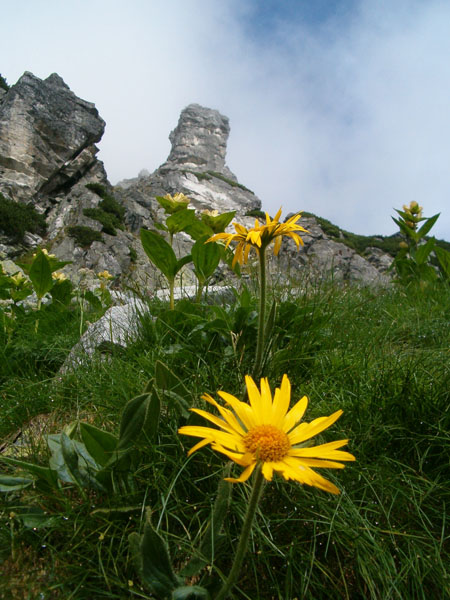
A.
x: 262, y: 311
x: 245, y: 535
x: 171, y: 293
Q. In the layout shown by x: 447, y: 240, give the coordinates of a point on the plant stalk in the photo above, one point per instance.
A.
x: 262, y: 311
x: 245, y: 535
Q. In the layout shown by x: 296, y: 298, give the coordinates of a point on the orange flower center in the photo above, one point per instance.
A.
x: 267, y: 442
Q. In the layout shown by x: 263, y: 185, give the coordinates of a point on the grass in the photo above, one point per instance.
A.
x: 380, y: 355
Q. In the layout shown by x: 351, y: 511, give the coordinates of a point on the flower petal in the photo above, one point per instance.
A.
x: 244, y: 475
x: 295, y: 415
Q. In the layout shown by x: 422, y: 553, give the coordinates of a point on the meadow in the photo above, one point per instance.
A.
x: 381, y: 354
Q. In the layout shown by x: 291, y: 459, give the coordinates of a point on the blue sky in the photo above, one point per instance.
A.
x: 336, y: 107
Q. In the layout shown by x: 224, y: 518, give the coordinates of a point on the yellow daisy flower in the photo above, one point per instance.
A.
x: 260, y: 236
x: 266, y: 432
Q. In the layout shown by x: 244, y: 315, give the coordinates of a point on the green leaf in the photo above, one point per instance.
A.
x: 190, y: 592
x: 93, y: 300
x: 10, y: 484
x: 443, y: 257
x: 42, y: 473
x: 160, y: 253
x: 218, y: 223
x: 198, y: 229
x: 34, y: 517
x: 62, y: 292
x: 183, y: 261
x: 180, y: 220
x: 153, y: 414
x: 428, y: 225
x: 70, y: 457
x: 133, y: 418
x: 205, y: 257
x: 156, y: 565
x: 41, y: 274
x: 423, y: 251
x: 100, y: 444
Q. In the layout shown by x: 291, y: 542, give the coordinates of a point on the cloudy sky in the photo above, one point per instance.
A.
x: 337, y: 107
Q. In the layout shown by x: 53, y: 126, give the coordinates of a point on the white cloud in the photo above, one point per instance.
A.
x: 346, y: 119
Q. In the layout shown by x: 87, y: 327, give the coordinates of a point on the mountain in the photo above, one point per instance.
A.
x: 50, y: 175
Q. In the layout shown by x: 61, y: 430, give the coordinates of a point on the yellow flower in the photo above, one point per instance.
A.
x: 105, y: 275
x: 173, y: 204
x: 58, y: 276
x: 267, y: 432
x: 260, y: 236
x: 18, y: 278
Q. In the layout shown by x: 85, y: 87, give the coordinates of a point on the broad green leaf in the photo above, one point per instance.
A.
x: 198, y: 229
x: 190, y: 592
x: 205, y: 257
x: 62, y: 292
x: 160, y: 253
x: 424, y: 250
x: 428, y: 225
x: 41, y: 274
x: 10, y: 484
x: 35, y: 518
x: 180, y: 220
x: 443, y: 257
x: 157, y: 569
x: 181, y: 262
x: 43, y: 473
x: 100, y: 444
x: 153, y: 415
x: 70, y: 457
x: 134, y: 540
x: 93, y: 300
x: 133, y: 418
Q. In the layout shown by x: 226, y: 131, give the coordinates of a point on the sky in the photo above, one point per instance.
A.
x: 336, y: 107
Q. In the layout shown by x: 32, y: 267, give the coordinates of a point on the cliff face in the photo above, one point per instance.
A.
x: 195, y: 166
x: 47, y: 138
x: 48, y: 158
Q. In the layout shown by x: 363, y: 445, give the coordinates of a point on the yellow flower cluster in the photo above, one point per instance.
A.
x: 260, y: 236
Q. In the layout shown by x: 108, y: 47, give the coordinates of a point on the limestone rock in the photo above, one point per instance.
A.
x: 47, y: 137
x: 195, y: 166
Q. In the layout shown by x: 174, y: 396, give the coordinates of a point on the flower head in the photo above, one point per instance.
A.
x: 58, y: 276
x: 172, y: 204
x: 260, y: 236
x: 266, y: 432
x: 105, y: 275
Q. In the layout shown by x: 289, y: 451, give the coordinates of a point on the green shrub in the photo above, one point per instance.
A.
x: 3, y: 84
x: 109, y: 212
x: 84, y: 236
x: 109, y: 204
x: 17, y: 218
x: 258, y: 214
x: 109, y: 222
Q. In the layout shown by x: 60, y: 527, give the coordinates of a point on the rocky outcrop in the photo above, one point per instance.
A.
x: 47, y: 137
x: 48, y: 159
x: 195, y: 166
x: 323, y: 258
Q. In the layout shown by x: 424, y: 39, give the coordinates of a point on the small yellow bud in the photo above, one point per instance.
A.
x: 403, y: 244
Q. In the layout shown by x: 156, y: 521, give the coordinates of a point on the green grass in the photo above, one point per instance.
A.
x: 380, y: 355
